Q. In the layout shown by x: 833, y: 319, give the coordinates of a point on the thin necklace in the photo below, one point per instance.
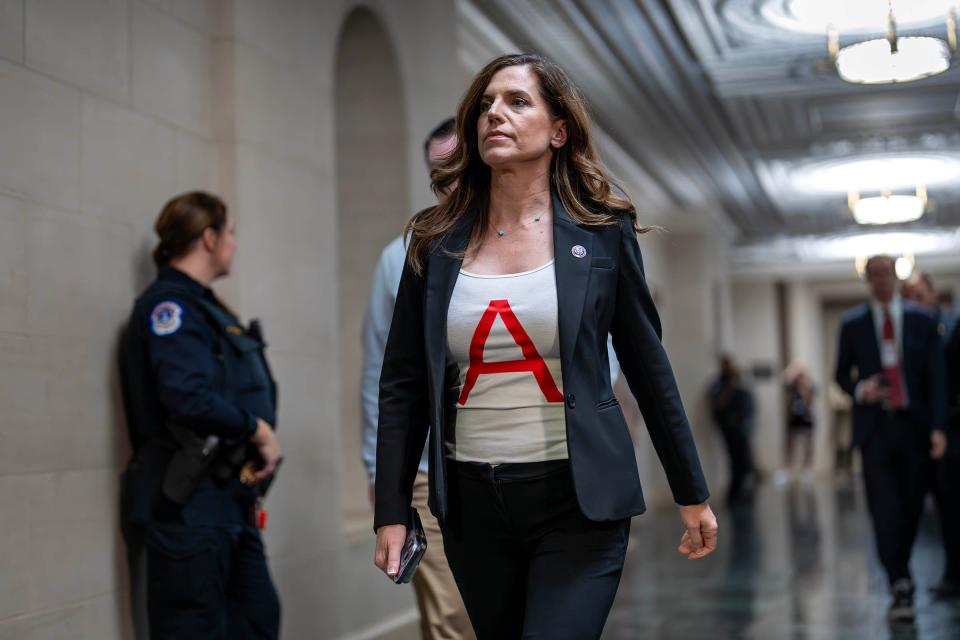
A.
x: 502, y: 232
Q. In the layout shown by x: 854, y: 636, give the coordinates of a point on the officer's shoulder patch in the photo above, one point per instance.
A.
x: 166, y: 318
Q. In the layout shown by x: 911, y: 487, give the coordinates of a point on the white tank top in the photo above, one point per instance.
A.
x: 502, y: 330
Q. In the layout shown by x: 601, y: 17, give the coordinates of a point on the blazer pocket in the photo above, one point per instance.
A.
x: 601, y: 262
x: 606, y: 404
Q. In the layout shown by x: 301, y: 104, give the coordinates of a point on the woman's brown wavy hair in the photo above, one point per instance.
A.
x: 586, y: 190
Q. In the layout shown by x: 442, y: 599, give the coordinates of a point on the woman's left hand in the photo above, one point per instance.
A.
x: 700, y: 538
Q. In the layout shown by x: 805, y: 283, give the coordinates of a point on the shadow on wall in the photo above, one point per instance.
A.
x: 142, y: 266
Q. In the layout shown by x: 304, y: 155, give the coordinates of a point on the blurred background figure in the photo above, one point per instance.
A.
x: 442, y: 614
x: 944, y: 475
x: 920, y: 290
x: 732, y: 407
x: 840, y: 406
x: 800, y: 419
x: 890, y: 360
x: 948, y: 481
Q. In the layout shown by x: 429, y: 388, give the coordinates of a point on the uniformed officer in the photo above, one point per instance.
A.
x: 201, y: 405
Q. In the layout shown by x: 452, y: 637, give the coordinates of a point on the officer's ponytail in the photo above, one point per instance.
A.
x: 183, y: 220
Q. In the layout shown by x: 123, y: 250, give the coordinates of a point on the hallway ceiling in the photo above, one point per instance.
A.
x: 727, y: 104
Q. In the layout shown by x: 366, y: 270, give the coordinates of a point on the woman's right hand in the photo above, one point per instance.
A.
x: 700, y: 538
x: 265, y: 440
x: 390, y: 541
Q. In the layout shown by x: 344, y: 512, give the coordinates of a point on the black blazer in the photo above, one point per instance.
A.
x: 922, y: 364
x: 603, y: 292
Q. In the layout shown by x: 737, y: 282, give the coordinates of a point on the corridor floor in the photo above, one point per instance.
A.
x: 798, y: 564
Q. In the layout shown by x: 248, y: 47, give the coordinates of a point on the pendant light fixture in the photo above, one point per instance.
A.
x: 888, y: 208
x: 894, y: 58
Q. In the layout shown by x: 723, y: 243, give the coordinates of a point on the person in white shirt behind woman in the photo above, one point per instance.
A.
x: 442, y: 614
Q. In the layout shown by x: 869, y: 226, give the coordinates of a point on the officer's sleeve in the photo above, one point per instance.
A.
x: 183, y: 357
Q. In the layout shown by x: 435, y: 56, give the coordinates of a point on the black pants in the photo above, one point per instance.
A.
x: 527, y: 562
x: 895, y: 466
x: 209, y: 582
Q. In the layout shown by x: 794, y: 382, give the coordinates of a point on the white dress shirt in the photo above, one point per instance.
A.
x: 896, y: 316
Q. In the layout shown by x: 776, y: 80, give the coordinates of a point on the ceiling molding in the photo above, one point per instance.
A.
x: 704, y: 100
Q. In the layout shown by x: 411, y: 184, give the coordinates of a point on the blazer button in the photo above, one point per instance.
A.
x: 571, y: 400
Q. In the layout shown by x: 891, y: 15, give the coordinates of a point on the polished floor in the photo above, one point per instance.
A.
x: 796, y: 564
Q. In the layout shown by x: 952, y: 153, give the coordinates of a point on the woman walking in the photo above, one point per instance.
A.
x: 498, y: 343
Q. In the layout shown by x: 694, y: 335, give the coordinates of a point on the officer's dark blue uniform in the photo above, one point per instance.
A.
x: 186, y: 360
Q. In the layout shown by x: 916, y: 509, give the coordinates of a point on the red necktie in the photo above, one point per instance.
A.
x: 891, y: 363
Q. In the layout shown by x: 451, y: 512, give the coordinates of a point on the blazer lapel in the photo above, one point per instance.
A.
x: 572, y: 251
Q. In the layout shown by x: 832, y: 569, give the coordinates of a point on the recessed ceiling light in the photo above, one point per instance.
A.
x: 876, y: 172
x: 868, y: 244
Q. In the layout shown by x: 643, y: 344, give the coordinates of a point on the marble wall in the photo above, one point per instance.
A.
x: 108, y: 108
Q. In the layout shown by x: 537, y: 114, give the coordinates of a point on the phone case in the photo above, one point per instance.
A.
x: 413, y: 549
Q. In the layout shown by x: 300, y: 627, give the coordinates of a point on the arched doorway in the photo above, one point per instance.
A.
x: 373, y: 202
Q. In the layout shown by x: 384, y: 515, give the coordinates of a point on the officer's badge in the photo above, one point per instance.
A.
x: 166, y: 318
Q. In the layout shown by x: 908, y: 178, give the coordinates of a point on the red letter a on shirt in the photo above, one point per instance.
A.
x: 531, y: 362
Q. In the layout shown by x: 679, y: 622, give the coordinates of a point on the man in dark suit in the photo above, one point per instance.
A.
x: 890, y: 359
x: 949, y: 477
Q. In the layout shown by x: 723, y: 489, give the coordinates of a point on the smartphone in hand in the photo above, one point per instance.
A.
x: 413, y: 549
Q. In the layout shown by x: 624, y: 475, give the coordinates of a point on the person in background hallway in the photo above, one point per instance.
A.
x: 732, y: 407
x: 950, y: 470
x: 442, y: 614
x: 944, y: 479
x: 200, y: 404
x: 841, y: 406
x: 800, y: 393
x: 920, y: 290
x: 890, y: 361
x: 497, y: 352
